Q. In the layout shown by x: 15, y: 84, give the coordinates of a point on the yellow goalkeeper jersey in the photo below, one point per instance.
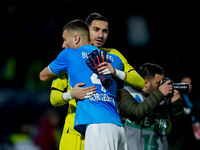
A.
x: 71, y: 139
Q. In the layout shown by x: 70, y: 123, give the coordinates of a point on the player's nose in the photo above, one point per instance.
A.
x: 100, y: 34
x: 63, y: 45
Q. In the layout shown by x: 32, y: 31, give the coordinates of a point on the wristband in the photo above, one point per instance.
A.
x: 120, y: 74
x: 66, y: 96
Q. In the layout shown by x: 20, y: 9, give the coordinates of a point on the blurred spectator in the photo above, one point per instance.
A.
x: 23, y: 135
x: 8, y: 72
x: 46, y: 132
x: 32, y: 83
x: 188, y: 130
x: 23, y: 139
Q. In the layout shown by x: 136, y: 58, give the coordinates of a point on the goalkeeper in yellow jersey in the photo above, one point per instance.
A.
x: 62, y: 94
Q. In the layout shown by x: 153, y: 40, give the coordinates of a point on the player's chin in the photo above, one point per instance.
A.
x: 98, y: 44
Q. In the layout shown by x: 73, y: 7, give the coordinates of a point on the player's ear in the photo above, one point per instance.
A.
x: 146, y: 83
x: 77, y: 39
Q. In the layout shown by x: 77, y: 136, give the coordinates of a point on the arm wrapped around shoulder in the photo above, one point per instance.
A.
x: 134, y: 80
x: 56, y: 98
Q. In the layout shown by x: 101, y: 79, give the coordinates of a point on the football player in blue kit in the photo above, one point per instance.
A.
x: 97, y: 117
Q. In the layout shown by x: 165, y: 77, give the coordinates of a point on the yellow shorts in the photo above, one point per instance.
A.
x: 71, y: 142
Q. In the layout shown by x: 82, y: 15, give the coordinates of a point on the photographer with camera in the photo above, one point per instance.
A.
x: 147, y: 113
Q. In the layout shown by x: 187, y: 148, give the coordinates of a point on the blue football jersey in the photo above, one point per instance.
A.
x: 101, y: 108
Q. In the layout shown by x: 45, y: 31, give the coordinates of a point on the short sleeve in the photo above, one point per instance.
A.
x: 60, y: 64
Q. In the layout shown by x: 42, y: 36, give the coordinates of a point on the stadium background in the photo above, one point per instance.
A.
x: 164, y: 33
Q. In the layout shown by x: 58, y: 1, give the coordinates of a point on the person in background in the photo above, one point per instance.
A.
x: 46, y: 131
x: 188, y: 130
x: 23, y: 138
x: 148, y: 113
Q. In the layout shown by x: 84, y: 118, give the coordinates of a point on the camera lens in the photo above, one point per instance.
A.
x: 181, y: 87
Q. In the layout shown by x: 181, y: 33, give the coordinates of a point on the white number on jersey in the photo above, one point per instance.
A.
x: 95, y: 80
